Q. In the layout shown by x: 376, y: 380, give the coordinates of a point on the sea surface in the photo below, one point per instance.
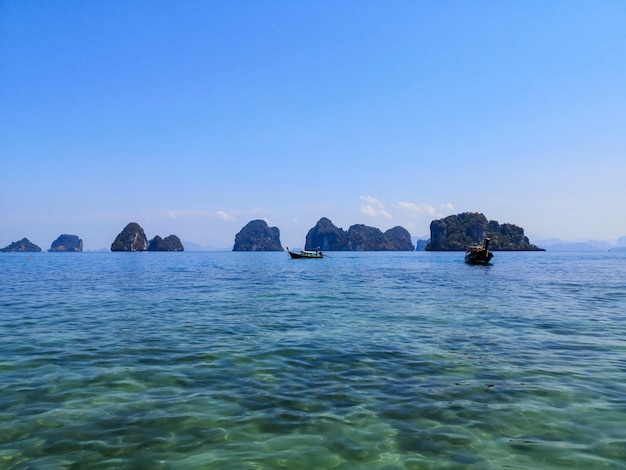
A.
x: 222, y: 360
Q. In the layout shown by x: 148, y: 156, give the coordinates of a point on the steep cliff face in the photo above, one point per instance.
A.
x: 508, y: 237
x: 364, y: 238
x: 23, y: 245
x: 399, y: 239
x: 327, y: 237
x: 132, y: 238
x: 258, y: 236
x: 457, y: 232
x: 67, y: 243
x: 169, y: 243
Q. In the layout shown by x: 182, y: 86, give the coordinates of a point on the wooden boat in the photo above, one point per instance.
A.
x: 479, y: 254
x: 304, y: 254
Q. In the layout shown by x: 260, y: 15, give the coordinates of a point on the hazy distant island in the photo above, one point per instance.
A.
x: 133, y: 238
x: 67, y: 243
x: 421, y: 244
x: 23, y: 245
x: 557, y: 244
x: 327, y: 237
x: 457, y: 232
x: 258, y: 236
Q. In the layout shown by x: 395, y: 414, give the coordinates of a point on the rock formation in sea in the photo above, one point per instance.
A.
x: 457, y: 232
x: 23, y: 245
x: 364, y: 238
x: 258, y: 236
x: 67, y: 243
x: 170, y: 243
x: 132, y: 238
x: 399, y: 239
x: 327, y: 237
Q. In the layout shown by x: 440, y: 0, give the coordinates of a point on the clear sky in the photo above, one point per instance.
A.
x: 195, y: 117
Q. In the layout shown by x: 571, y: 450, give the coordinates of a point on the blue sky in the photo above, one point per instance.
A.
x: 195, y: 117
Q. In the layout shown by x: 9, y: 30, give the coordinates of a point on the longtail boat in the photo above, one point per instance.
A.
x: 479, y: 254
x: 305, y: 254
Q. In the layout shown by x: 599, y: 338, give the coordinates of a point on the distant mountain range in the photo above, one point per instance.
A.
x: 556, y: 244
x: 552, y: 244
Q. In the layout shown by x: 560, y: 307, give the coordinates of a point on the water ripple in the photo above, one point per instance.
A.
x: 372, y: 360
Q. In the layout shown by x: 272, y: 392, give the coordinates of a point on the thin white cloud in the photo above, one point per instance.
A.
x: 374, y: 208
x: 417, y: 208
x: 448, y: 206
x: 371, y: 200
x: 224, y: 216
x: 409, y: 206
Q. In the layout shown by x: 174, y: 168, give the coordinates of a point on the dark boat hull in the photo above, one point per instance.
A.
x: 479, y: 258
x: 306, y: 255
x: 479, y: 254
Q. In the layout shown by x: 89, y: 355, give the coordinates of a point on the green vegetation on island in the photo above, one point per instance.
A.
x: 457, y: 232
x: 258, y: 236
x: 327, y: 237
x: 133, y: 238
x: 23, y: 245
x: 169, y: 243
x: 67, y: 243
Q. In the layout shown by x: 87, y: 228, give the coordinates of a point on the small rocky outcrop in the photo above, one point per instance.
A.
x: 170, y: 243
x: 399, y: 239
x: 327, y: 237
x: 23, y: 245
x: 67, y: 243
x: 258, y: 236
x: 457, y: 232
x: 132, y: 238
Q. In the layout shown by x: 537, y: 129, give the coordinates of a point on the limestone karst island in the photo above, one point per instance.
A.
x: 133, y: 238
x: 452, y: 233
x: 457, y: 232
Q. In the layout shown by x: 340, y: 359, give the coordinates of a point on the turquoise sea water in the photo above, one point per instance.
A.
x: 361, y: 360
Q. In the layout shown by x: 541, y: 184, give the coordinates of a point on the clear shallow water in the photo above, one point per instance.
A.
x: 362, y: 360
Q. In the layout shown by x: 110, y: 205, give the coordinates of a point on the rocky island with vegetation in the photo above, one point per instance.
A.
x: 169, y: 243
x: 327, y: 237
x: 457, y: 232
x: 21, y: 246
x: 133, y: 238
x: 452, y: 233
x: 66, y: 243
x: 258, y: 236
